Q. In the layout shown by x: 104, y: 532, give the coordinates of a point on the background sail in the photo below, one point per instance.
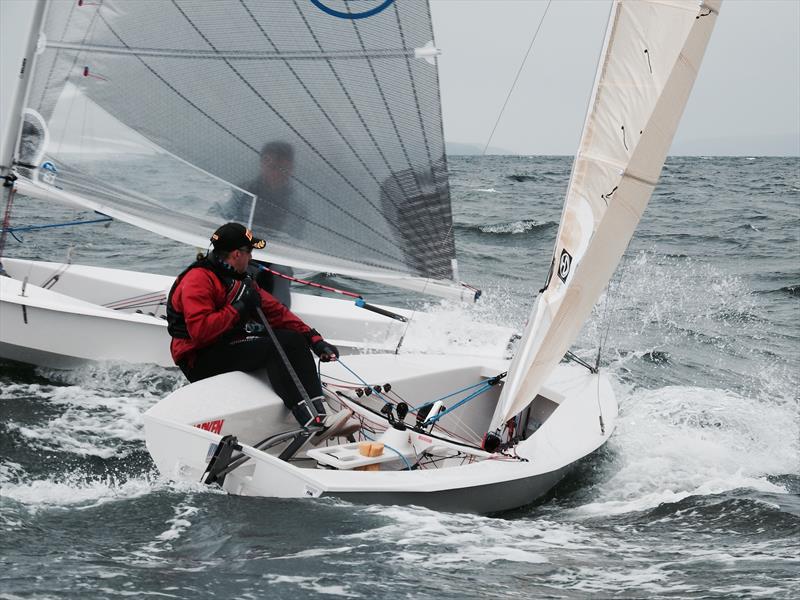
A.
x: 323, y: 131
x: 652, y: 52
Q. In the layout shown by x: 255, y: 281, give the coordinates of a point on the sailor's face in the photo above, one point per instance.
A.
x: 276, y: 172
x: 239, y: 259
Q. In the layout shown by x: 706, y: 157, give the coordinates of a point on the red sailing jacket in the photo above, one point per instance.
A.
x: 205, y: 303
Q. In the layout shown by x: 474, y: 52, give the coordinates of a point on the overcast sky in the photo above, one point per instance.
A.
x: 746, y: 99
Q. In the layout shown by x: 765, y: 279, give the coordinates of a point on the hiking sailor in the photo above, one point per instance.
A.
x: 214, y: 321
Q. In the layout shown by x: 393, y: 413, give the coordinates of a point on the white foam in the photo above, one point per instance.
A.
x: 446, y: 327
x: 314, y: 552
x: 179, y: 523
x: 514, y: 227
x: 152, y: 553
x: 681, y: 441
x: 10, y: 470
x: 90, y: 425
x: 445, y: 539
x: 79, y: 491
x: 113, y: 377
x: 312, y: 584
x: 75, y: 490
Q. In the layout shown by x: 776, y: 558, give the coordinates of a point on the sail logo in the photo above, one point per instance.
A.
x: 564, y: 265
x: 48, y: 172
x: 363, y: 14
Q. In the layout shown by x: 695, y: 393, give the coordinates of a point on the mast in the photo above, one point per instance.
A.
x: 12, y: 126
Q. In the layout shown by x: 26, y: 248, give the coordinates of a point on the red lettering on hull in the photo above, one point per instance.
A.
x: 212, y: 426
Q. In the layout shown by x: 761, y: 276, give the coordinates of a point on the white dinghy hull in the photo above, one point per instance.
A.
x: 47, y: 328
x: 90, y: 314
x: 562, y: 428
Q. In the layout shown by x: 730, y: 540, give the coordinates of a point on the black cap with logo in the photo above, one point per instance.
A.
x: 235, y: 235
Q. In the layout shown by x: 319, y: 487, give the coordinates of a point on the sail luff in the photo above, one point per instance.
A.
x: 596, y: 227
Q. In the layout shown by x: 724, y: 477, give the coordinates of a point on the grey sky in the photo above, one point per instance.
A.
x: 746, y: 99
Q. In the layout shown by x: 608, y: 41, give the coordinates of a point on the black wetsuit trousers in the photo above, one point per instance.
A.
x: 257, y: 352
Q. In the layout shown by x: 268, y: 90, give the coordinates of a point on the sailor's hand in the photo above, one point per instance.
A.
x: 326, y: 352
x: 246, y: 299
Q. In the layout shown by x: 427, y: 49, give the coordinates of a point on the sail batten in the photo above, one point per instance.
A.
x: 235, y: 54
x: 627, y: 133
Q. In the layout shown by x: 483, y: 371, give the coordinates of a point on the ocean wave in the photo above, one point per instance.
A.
x: 117, y: 377
x: 679, y: 441
x: 75, y: 489
x: 81, y: 490
x: 545, y: 551
x: 314, y: 585
x: 657, y: 357
x: 83, y: 422
x: 789, y: 290
x: 451, y: 540
x: 743, y: 509
x: 91, y: 412
x: 662, y: 303
x: 515, y: 227
x: 745, y: 227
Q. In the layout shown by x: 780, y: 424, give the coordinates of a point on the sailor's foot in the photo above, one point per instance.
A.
x: 331, y: 426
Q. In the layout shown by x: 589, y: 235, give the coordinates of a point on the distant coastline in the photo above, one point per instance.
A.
x: 783, y: 145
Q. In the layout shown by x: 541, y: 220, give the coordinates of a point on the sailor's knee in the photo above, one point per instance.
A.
x: 293, y: 341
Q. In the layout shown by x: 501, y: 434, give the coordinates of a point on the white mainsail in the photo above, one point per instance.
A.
x: 325, y: 131
x: 652, y: 53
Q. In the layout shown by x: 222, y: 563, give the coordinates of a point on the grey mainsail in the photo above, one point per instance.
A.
x: 321, y: 128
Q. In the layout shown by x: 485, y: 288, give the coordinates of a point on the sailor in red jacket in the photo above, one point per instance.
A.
x: 215, y: 328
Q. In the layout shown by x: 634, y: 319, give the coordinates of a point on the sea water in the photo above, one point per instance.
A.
x: 697, y: 493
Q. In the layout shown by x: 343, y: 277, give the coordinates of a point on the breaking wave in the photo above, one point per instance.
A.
x: 516, y: 227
